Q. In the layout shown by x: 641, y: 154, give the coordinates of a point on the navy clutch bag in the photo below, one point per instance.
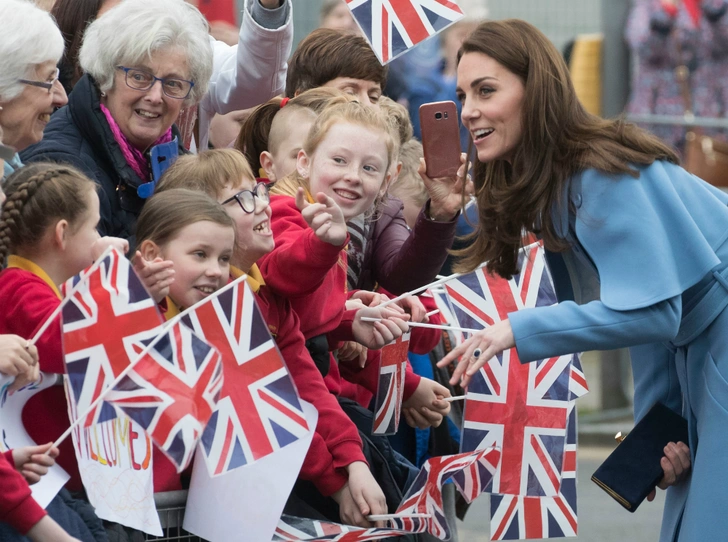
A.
x: 633, y: 469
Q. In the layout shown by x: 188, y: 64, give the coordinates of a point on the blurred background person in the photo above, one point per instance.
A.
x: 665, y: 34
x: 335, y: 14
x: 72, y: 17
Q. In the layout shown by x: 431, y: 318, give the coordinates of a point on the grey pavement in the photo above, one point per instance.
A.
x: 600, y: 518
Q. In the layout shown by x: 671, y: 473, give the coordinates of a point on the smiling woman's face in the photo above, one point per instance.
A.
x: 145, y: 115
x: 492, y: 98
x: 24, y: 118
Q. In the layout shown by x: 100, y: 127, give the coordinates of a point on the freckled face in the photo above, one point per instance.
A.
x: 349, y: 165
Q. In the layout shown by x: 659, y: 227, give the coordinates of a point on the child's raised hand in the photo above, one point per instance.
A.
x: 447, y: 194
x: 102, y: 243
x: 33, y: 462
x: 324, y: 217
x: 157, y: 275
x: 426, y: 408
x: 18, y: 358
x: 391, y: 324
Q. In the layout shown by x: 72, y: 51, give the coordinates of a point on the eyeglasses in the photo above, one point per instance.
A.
x: 246, y: 198
x: 48, y: 85
x: 138, y: 79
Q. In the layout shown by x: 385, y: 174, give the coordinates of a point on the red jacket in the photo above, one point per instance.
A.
x: 305, y: 270
x: 17, y: 506
x: 28, y: 298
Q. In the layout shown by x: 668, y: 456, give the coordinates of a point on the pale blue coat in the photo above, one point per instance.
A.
x: 648, y: 269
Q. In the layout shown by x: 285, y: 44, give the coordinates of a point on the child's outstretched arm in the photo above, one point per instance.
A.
x: 324, y: 217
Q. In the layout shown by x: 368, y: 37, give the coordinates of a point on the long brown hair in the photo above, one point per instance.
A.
x: 560, y: 138
x: 39, y: 195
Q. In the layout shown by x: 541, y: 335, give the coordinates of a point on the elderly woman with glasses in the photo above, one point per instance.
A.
x: 30, y: 47
x: 144, y: 62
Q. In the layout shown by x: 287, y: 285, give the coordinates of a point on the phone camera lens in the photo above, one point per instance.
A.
x: 438, y: 116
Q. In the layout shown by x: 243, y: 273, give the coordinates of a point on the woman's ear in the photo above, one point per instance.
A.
x: 266, y: 162
x: 150, y: 250
x: 60, y: 233
x: 303, y: 164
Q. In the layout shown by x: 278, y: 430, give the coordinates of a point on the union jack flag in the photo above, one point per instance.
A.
x: 172, y: 390
x: 424, y: 496
x: 520, y: 518
x: 520, y: 408
x: 107, y: 317
x: 259, y: 410
x: 293, y: 529
x: 388, y: 405
x: 392, y: 27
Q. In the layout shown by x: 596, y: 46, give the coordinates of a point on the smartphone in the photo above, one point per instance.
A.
x: 440, y: 138
x: 161, y: 157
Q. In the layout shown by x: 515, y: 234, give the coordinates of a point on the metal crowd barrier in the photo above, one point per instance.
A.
x: 171, y: 510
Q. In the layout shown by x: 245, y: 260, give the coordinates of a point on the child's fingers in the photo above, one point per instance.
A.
x: 34, y: 469
x: 319, y: 220
x: 42, y: 459
x: 30, y: 477
x: 301, y: 202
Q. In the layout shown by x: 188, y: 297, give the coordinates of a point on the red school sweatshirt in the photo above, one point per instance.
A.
x: 17, y: 506
x: 28, y: 298
x: 308, y: 272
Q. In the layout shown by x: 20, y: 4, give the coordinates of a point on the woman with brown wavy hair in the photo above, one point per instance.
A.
x: 637, y: 248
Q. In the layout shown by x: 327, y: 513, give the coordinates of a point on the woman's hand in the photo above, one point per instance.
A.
x: 477, y: 350
x: 157, y: 275
x: 18, y: 358
x: 391, y: 325
x: 324, y: 217
x: 675, y: 465
x: 33, y: 462
x: 426, y: 408
x: 447, y: 194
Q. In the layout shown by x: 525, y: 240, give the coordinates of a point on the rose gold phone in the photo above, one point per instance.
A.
x: 440, y: 138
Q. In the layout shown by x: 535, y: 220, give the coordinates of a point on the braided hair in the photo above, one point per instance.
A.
x: 38, y: 195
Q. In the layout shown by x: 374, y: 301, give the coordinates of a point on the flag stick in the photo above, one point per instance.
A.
x: 384, y: 517
x: 69, y: 294
x: 428, y: 326
x: 455, y: 398
x: 427, y: 286
x: 432, y: 313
